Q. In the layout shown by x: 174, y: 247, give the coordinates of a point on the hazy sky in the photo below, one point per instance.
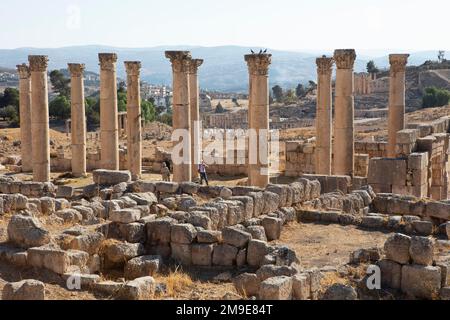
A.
x: 277, y: 24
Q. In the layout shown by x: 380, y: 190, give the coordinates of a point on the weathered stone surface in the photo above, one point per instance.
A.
x: 224, y: 255
x: 64, y: 192
x: 247, y: 284
x: 202, y: 254
x: 301, y: 287
x: 183, y: 233
x: 57, y: 260
x: 365, y: 255
x: 236, y: 237
x: 142, y: 266
x: 391, y: 274
x: 340, y: 292
x: 423, y: 228
x: 257, y: 232
x: 421, y: 250
x: 277, y: 288
x: 271, y: 201
x: 189, y: 187
x: 272, y: 227
x: 373, y: 222
x: 167, y: 187
x: 118, y: 253
x: 70, y: 216
x: 89, y: 243
x: 143, y: 186
x: 24, y: 290
x: 132, y: 232
x: 396, y: 248
x: 27, y: 232
x: 125, y: 215
x: 209, y: 236
x: 182, y: 253
x: 421, y: 281
x: 256, y: 251
x: 158, y: 231
x: 143, y: 199
x: 139, y: 289
x: 270, y: 271
x: 110, y: 177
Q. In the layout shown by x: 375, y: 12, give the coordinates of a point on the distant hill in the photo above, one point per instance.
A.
x: 224, y: 68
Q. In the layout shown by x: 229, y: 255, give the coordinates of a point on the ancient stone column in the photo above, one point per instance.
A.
x: 134, y: 137
x: 324, y: 115
x: 196, y: 148
x: 258, y: 119
x: 78, y: 120
x: 181, y: 157
x: 109, y: 132
x: 25, y: 117
x: 40, y: 118
x: 396, y: 114
x: 344, y: 111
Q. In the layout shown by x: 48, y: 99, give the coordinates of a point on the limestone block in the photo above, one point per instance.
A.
x: 257, y: 232
x: 132, y: 232
x: 139, y: 289
x: 301, y: 287
x: 110, y: 177
x: 209, y: 236
x: 272, y: 227
x: 183, y: 233
x: 421, y: 250
x: 202, y: 254
x: 277, y: 288
x: 236, y: 237
x: 24, y: 290
x: 158, y: 231
x: 270, y: 271
x: 421, y: 281
x: 26, y: 232
x: 224, y: 255
x: 341, y: 292
x: 142, y: 267
x: 256, y: 251
x: 391, y: 274
x: 396, y: 248
x: 125, y: 215
x: 247, y: 284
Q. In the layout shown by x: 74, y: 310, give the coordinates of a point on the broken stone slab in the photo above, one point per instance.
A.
x: 272, y: 227
x: 301, y: 287
x: 84, y: 281
x: 143, y: 186
x: 339, y: 291
x: 89, y: 242
x: 256, y: 251
x: 26, y: 232
x: 257, y: 232
x: 167, y: 187
x: 209, y: 236
x: 125, y: 215
x: 224, y: 255
x: 365, y: 255
x: 236, y: 237
x: 396, y: 248
x: 277, y: 288
x: 132, y: 232
x: 64, y: 192
x: 118, y: 253
x: 183, y: 233
x: 138, y: 289
x: 247, y: 284
x: 110, y: 177
x: 270, y: 271
x: 24, y: 290
x: 142, y: 266
x: 70, y: 216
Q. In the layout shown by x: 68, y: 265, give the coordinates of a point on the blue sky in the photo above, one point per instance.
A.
x: 278, y: 24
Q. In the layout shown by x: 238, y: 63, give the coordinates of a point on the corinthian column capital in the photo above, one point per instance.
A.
x: 345, y: 58
x: 107, y: 61
x: 76, y: 69
x: 194, y: 65
x: 258, y: 64
x: 324, y: 65
x: 24, y: 71
x: 398, y: 62
x: 38, y: 63
x: 180, y: 60
x: 133, y: 68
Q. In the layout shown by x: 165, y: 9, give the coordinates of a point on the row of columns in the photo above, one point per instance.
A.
x: 34, y: 117
x: 343, y: 147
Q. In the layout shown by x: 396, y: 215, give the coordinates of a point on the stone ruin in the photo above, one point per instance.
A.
x: 136, y: 227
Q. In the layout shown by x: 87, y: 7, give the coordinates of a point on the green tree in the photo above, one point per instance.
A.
x: 12, y: 114
x: 219, y: 108
x: 290, y: 98
x: 435, y: 97
x: 148, y: 111
x: 371, y: 67
x: 278, y: 93
x: 10, y: 97
x: 300, y: 90
x: 60, y: 83
x: 92, y: 110
x: 59, y: 107
x: 121, y: 100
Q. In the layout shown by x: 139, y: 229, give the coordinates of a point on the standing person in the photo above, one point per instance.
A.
x: 202, y: 170
x: 165, y: 172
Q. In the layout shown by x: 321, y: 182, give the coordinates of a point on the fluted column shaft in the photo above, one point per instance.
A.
x: 196, y: 148
x: 25, y: 117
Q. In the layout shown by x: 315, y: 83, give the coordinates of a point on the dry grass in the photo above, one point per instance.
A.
x: 176, y: 282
